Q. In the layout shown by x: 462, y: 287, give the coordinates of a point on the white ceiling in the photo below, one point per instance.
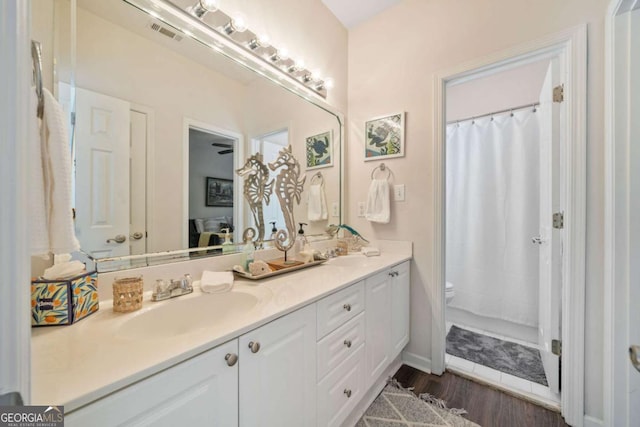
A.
x: 354, y: 12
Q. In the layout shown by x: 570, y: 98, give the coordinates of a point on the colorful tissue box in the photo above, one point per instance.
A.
x: 63, y: 302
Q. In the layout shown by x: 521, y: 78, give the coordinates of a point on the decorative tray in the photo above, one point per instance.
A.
x: 278, y: 272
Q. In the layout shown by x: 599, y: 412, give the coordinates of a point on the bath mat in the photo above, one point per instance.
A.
x: 397, y: 406
x: 511, y: 358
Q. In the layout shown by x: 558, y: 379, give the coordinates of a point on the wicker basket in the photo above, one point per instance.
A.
x: 127, y: 294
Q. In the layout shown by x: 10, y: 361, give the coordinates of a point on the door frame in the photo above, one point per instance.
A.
x: 238, y: 156
x: 570, y: 46
x: 616, y: 219
x: 16, y: 114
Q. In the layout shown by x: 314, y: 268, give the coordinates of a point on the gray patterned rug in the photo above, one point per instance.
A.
x: 504, y: 356
x: 399, y: 407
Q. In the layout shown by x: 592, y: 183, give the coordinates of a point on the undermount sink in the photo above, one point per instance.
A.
x: 182, y: 316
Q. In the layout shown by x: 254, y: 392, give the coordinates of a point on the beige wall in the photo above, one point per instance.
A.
x: 392, y: 61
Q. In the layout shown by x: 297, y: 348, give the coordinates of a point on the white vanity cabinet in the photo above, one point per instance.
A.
x: 387, y: 318
x: 200, y: 391
x: 278, y: 372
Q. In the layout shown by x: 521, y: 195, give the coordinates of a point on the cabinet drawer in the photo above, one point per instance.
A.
x: 336, y: 309
x: 341, y: 390
x: 339, y: 344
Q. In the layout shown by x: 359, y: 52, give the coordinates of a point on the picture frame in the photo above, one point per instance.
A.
x: 219, y: 192
x: 384, y: 137
x: 319, y: 150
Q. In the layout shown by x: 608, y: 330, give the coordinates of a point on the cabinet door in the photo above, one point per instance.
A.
x: 378, y: 325
x: 201, y: 391
x: 278, y: 375
x: 400, y: 303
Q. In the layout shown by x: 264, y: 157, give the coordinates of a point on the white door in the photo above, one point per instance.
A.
x: 278, y: 373
x: 102, y: 174
x: 400, y: 302
x: 202, y: 391
x: 633, y: 300
x: 550, y: 238
x: 378, y: 325
x: 138, y: 183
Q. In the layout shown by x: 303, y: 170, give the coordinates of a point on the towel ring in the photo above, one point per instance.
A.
x: 383, y: 168
x: 317, y: 176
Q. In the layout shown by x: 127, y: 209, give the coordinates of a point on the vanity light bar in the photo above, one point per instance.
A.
x: 230, y: 37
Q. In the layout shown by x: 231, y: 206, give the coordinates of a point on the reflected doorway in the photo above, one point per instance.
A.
x: 269, y: 144
x: 211, y: 196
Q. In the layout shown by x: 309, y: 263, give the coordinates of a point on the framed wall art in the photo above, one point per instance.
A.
x: 319, y: 150
x: 384, y: 137
x: 219, y: 192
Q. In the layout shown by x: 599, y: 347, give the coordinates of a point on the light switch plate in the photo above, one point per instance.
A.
x: 398, y: 193
x: 335, y: 210
x: 360, y: 209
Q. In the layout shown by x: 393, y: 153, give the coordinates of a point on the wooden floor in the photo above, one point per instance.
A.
x: 485, y: 406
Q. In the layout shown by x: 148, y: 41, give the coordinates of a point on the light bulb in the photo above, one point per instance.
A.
x: 263, y: 39
x: 328, y: 83
x: 210, y: 5
x: 299, y: 63
x: 239, y: 23
x: 315, y: 75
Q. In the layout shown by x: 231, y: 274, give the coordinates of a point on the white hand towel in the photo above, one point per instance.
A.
x: 213, y: 282
x: 378, y: 202
x: 317, y: 208
x: 56, y: 165
x: 38, y: 218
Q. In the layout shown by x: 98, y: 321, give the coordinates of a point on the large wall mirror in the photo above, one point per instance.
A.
x: 162, y: 122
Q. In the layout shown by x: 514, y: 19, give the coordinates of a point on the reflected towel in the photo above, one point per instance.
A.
x: 56, y: 171
x: 317, y: 207
x: 213, y: 282
x: 38, y: 218
x: 378, y: 202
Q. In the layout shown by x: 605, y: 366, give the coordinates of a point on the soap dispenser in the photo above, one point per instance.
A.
x: 227, y: 246
x: 248, y: 253
x: 274, y: 230
x: 298, y: 245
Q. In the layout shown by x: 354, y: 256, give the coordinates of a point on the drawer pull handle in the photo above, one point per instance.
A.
x: 347, y: 392
x: 347, y: 307
x: 231, y: 359
x: 254, y: 346
x: 347, y: 343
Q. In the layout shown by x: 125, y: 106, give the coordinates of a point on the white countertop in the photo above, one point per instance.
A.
x: 75, y: 365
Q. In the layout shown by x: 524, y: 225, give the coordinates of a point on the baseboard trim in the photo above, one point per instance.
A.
x: 592, y: 422
x: 416, y: 361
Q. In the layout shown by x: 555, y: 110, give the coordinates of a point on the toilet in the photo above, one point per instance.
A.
x: 449, y: 292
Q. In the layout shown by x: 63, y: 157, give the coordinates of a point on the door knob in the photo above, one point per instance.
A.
x: 137, y: 235
x: 634, y: 352
x: 120, y: 238
x: 537, y: 240
x: 254, y: 346
x: 231, y: 359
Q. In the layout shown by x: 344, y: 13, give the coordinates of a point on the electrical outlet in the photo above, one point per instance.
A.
x: 360, y: 209
x: 335, y: 210
x: 398, y: 193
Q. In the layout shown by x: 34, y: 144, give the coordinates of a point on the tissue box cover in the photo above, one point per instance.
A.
x: 63, y: 302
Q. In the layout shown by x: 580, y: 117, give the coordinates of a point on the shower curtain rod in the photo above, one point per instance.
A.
x: 506, y: 110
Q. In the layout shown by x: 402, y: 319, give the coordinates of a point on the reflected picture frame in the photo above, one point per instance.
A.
x: 319, y: 150
x: 219, y: 192
x: 384, y: 137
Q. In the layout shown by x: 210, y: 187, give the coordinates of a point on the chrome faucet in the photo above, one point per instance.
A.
x: 175, y: 288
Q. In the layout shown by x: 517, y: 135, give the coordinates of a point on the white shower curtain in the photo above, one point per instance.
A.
x: 492, y: 213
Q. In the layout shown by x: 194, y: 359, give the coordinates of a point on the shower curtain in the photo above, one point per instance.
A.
x: 492, y: 182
